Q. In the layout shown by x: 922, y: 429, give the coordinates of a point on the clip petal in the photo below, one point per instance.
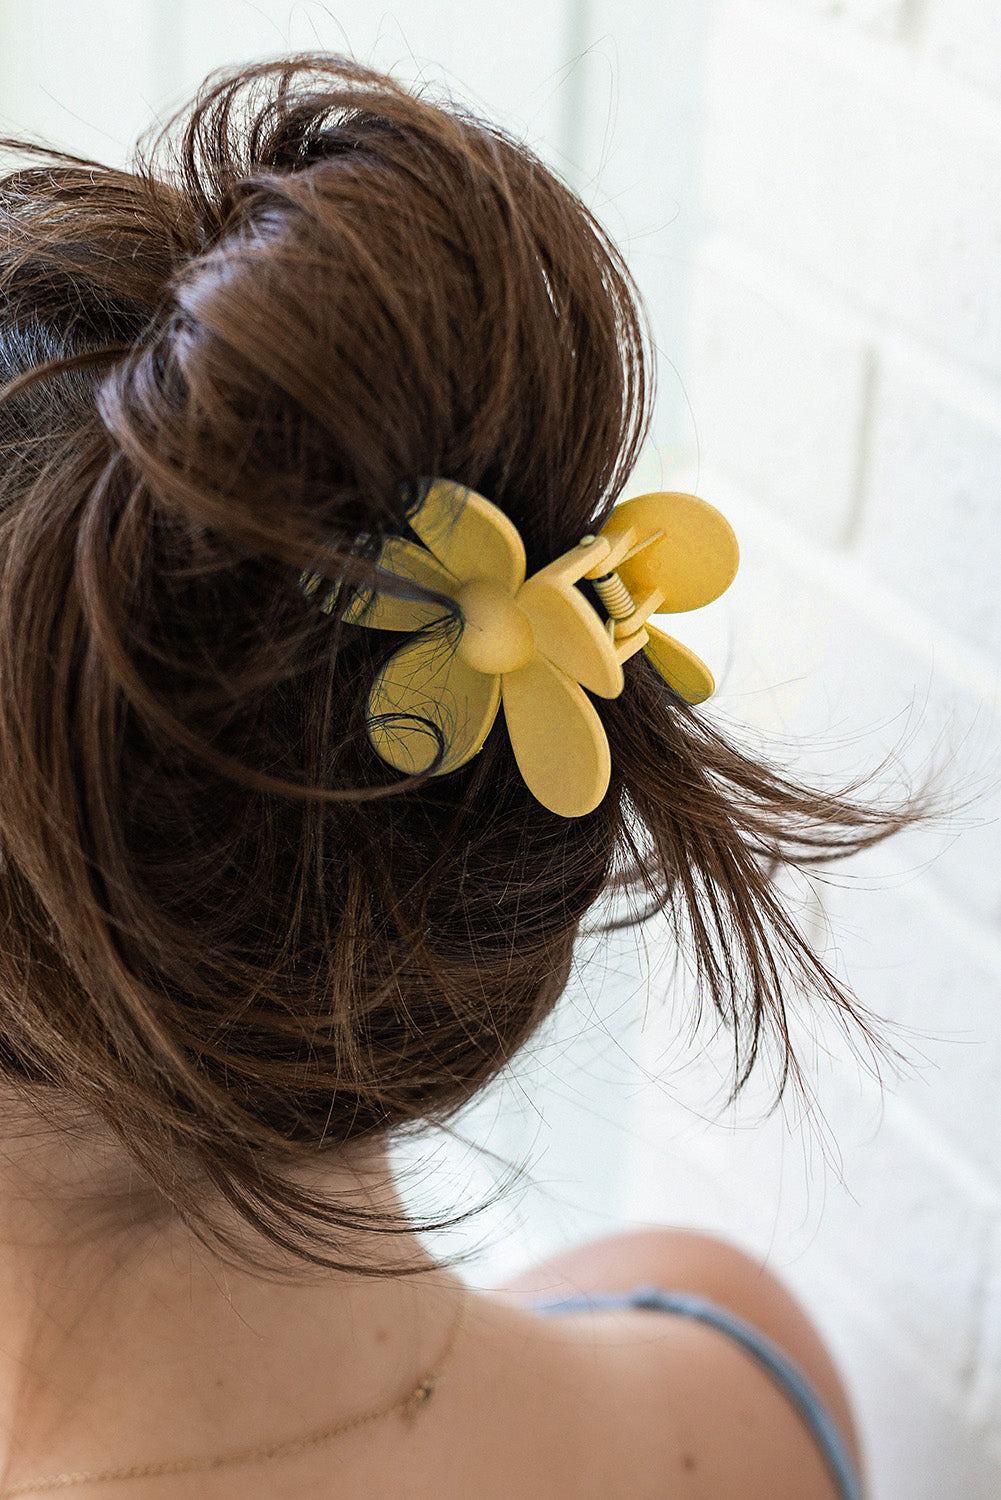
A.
x: 689, y: 554
x: 414, y: 565
x: 467, y: 534
x: 426, y: 683
x: 679, y: 667
x: 557, y: 738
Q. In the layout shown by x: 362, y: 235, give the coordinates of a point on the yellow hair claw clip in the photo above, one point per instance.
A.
x: 534, y: 644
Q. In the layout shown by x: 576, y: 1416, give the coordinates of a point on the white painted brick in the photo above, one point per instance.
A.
x: 965, y: 36
x: 884, y: 17
x: 932, y: 518
x: 881, y: 1216
x: 916, y: 962
x: 776, y: 385
x: 860, y: 178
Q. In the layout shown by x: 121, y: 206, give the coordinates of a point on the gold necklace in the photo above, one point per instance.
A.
x: 407, y: 1406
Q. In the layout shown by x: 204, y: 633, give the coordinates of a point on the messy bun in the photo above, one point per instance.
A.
x: 232, y: 934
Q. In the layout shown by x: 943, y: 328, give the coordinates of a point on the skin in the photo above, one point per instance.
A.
x: 685, y: 1260
x: 110, y: 1358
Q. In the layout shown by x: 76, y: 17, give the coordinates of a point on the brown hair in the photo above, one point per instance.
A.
x: 231, y: 933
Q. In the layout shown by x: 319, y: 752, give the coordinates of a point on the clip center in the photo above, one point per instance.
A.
x: 497, y: 635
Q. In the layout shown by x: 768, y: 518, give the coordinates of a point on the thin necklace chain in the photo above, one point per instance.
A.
x: 407, y: 1406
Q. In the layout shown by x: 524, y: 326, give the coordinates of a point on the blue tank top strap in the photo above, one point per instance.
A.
x: 768, y: 1355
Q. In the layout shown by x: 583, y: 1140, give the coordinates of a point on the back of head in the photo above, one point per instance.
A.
x: 234, y: 937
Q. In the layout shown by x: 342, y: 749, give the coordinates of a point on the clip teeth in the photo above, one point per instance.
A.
x: 309, y: 583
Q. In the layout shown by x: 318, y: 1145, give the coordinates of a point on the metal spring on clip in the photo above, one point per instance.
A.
x: 614, y: 595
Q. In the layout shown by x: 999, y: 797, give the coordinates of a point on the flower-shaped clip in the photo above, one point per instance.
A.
x: 535, y: 644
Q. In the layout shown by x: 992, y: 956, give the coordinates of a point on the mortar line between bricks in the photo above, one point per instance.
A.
x: 576, y: 28
x: 973, y: 1389
x: 855, y: 516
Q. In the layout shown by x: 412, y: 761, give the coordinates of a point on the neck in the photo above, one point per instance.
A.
x: 113, y: 1358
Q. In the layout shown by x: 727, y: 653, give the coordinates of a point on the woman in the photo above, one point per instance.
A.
x: 280, y: 881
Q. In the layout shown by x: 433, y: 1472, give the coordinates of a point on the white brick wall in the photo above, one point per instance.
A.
x: 931, y: 524
x: 857, y: 166
x: 844, y: 369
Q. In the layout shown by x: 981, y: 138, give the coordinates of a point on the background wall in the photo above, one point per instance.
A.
x: 843, y: 371
x: 808, y: 191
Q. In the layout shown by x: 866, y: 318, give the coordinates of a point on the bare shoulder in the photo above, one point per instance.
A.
x: 695, y: 1412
